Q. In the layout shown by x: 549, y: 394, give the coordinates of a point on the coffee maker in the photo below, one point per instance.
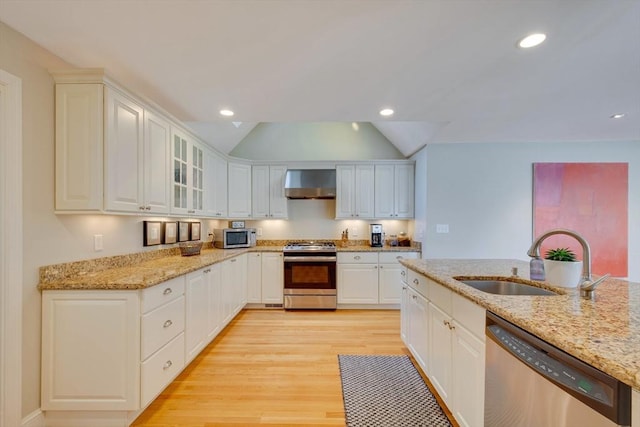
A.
x: 376, y: 240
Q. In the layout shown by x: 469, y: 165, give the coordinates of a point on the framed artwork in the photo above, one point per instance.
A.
x: 183, y: 231
x: 590, y: 199
x: 169, y: 232
x: 195, y: 230
x: 152, y: 231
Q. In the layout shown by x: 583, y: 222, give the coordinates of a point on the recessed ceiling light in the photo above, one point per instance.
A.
x: 386, y: 112
x: 532, y: 40
x: 226, y: 113
x: 617, y: 116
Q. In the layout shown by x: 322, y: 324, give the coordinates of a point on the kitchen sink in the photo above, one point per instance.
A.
x: 503, y: 287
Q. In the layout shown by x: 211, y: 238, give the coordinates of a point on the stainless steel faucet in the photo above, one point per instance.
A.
x: 587, y: 286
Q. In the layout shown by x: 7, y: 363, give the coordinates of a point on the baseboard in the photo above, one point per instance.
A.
x: 34, y: 419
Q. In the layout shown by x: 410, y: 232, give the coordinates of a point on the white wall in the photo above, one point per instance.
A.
x: 315, y: 141
x: 484, y: 193
x: 312, y: 219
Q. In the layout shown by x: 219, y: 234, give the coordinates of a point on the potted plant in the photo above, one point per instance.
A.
x: 562, y: 268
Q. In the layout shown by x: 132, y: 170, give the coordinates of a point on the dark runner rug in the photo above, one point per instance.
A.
x: 387, y: 391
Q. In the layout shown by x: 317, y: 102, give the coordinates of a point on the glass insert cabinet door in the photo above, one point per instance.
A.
x: 198, y: 176
x: 180, y: 164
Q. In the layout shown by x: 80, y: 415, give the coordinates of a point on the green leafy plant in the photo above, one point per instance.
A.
x: 560, y: 254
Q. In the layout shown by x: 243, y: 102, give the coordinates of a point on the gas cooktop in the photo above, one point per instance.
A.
x: 310, y: 245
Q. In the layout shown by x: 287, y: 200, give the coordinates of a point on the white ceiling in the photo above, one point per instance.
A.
x: 450, y: 69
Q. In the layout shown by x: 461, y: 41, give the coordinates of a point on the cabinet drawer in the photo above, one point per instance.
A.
x: 389, y: 257
x: 418, y: 282
x: 440, y: 296
x: 162, y: 293
x: 358, y: 257
x: 161, y: 368
x: 161, y: 325
x: 469, y: 314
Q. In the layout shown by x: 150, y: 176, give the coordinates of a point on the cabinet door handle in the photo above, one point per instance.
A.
x: 402, y: 273
x: 414, y: 297
x: 399, y: 257
x: 234, y: 260
x: 148, y: 208
x: 416, y: 281
x: 356, y: 257
x: 167, y: 291
x: 167, y: 365
x: 167, y: 323
x: 375, y: 267
x: 141, y: 208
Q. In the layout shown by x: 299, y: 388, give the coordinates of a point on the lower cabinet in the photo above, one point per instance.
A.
x: 370, y: 277
x: 107, y: 354
x: 445, y: 333
x: 272, y: 277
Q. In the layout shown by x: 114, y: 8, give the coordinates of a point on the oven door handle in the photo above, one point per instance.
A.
x: 309, y: 258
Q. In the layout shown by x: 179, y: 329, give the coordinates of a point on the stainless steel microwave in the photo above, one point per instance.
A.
x: 230, y: 238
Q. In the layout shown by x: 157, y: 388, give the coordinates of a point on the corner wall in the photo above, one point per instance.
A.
x: 484, y: 193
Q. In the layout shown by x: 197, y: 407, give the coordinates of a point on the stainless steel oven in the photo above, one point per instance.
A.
x: 310, y: 276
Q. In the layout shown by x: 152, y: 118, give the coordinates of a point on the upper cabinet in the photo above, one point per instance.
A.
x: 239, y: 175
x: 267, y: 192
x: 187, y: 197
x: 215, y: 178
x: 355, y: 191
x: 394, y: 190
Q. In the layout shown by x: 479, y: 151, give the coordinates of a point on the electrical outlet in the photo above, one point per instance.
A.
x: 442, y: 228
x: 354, y: 231
x: 98, y: 242
x: 259, y: 231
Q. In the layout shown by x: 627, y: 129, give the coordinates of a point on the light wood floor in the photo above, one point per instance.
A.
x: 274, y: 367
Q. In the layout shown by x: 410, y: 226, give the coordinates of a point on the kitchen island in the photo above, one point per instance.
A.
x: 603, y: 332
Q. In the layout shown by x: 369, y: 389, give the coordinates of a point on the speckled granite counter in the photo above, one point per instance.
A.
x: 604, y: 333
x: 142, y: 270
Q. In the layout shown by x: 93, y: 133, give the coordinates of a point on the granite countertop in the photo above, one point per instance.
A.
x: 603, y: 332
x: 142, y: 270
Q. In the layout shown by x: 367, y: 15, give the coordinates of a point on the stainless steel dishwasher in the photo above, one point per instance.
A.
x: 531, y: 383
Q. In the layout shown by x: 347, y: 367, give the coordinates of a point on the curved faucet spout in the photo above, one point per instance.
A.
x: 534, y: 250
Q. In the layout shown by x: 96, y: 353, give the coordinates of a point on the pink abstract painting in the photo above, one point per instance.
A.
x: 591, y: 199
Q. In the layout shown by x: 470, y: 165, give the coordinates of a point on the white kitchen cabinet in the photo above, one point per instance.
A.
x: 418, y: 321
x: 197, y: 312
x: 79, y: 148
x: 357, y: 278
x: 136, y: 157
x: 355, y: 191
x: 96, y: 366
x: 272, y: 278
x: 267, y: 192
x: 447, y: 340
x: 468, y: 360
x: 111, y: 350
x: 404, y: 307
x: 215, y: 173
x: 239, y: 193
x: 635, y: 408
x: 188, y: 174
x: 254, y: 277
x: 389, y: 276
x: 112, y: 153
x: 440, y: 354
x: 124, y: 141
x: 214, y: 316
x: 394, y: 191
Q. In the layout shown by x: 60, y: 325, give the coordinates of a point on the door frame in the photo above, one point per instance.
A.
x: 10, y: 249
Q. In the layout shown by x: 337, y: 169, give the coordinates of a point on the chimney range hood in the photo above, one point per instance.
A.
x: 310, y: 184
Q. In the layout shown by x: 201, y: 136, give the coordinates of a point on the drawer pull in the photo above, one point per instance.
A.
x: 416, y: 281
x: 402, y: 273
x: 167, y: 291
x: 234, y: 260
x: 399, y: 257
x: 167, y: 323
x: 356, y: 257
x: 167, y: 365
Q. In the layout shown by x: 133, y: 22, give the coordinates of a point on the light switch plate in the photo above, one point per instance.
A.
x: 442, y: 228
x: 97, y: 242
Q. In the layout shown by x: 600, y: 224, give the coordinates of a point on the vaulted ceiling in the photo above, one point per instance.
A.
x: 450, y: 69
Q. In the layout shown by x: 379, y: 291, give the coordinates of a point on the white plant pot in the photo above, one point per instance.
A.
x: 565, y: 274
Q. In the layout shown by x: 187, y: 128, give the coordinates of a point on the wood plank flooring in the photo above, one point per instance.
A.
x: 274, y: 367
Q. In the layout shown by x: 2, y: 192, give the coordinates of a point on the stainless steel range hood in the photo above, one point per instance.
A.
x: 310, y: 184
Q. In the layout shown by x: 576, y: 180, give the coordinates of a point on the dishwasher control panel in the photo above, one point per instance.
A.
x: 553, y: 369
